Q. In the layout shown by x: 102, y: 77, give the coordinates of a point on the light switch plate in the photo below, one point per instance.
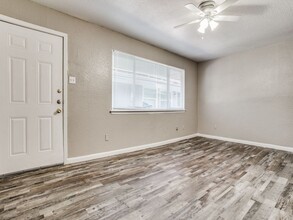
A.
x: 72, y: 80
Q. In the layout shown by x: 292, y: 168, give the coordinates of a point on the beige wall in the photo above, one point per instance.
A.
x: 90, y: 52
x: 249, y: 95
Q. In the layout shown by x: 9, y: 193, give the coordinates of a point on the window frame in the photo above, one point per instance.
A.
x: 151, y: 111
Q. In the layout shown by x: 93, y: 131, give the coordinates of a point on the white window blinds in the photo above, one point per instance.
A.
x: 143, y: 85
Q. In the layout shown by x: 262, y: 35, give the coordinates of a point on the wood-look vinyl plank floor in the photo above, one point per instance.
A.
x: 198, y: 179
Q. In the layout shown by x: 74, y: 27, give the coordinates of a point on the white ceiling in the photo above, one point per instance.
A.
x: 262, y: 22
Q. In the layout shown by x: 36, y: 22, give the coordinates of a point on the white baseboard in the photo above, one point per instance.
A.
x: 125, y: 150
x: 158, y: 144
x: 271, y: 146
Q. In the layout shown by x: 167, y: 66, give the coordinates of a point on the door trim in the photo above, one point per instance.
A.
x: 64, y: 36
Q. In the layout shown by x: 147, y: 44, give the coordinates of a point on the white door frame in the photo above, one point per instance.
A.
x: 64, y: 36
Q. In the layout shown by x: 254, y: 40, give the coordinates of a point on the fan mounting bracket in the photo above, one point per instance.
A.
x: 207, y: 6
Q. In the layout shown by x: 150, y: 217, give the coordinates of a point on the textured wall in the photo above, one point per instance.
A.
x: 249, y: 95
x: 90, y: 51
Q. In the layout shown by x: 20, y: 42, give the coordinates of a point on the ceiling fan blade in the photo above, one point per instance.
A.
x: 225, y: 5
x: 195, y: 9
x: 226, y: 18
x: 188, y: 23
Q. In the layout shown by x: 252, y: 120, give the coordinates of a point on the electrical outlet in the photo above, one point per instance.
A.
x: 72, y: 80
x: 107, y: 137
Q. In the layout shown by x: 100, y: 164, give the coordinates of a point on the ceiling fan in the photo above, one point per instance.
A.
x: 209, y: 14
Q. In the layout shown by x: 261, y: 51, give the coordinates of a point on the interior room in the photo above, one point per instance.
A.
x: 146, y: 109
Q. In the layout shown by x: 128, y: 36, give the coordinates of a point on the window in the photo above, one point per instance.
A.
x: 143, y: 85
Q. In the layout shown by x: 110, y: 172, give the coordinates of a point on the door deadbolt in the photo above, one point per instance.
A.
x: 59, y: 101
x: 59, y: 111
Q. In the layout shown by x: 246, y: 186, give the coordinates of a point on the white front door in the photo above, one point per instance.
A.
x: 31, y: 127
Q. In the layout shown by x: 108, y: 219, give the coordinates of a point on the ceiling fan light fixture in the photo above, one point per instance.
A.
x: 204, y: 23
x: 203, y: 26
x: 208, y: 11
x: 213, y: 25
x: 201, y: 30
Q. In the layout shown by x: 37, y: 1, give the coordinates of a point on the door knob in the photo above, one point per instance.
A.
x: 58, y: 101
x: 59, y: 91
x: 59, y: 111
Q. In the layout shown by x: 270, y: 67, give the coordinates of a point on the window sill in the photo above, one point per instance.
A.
x: 132, y: 112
